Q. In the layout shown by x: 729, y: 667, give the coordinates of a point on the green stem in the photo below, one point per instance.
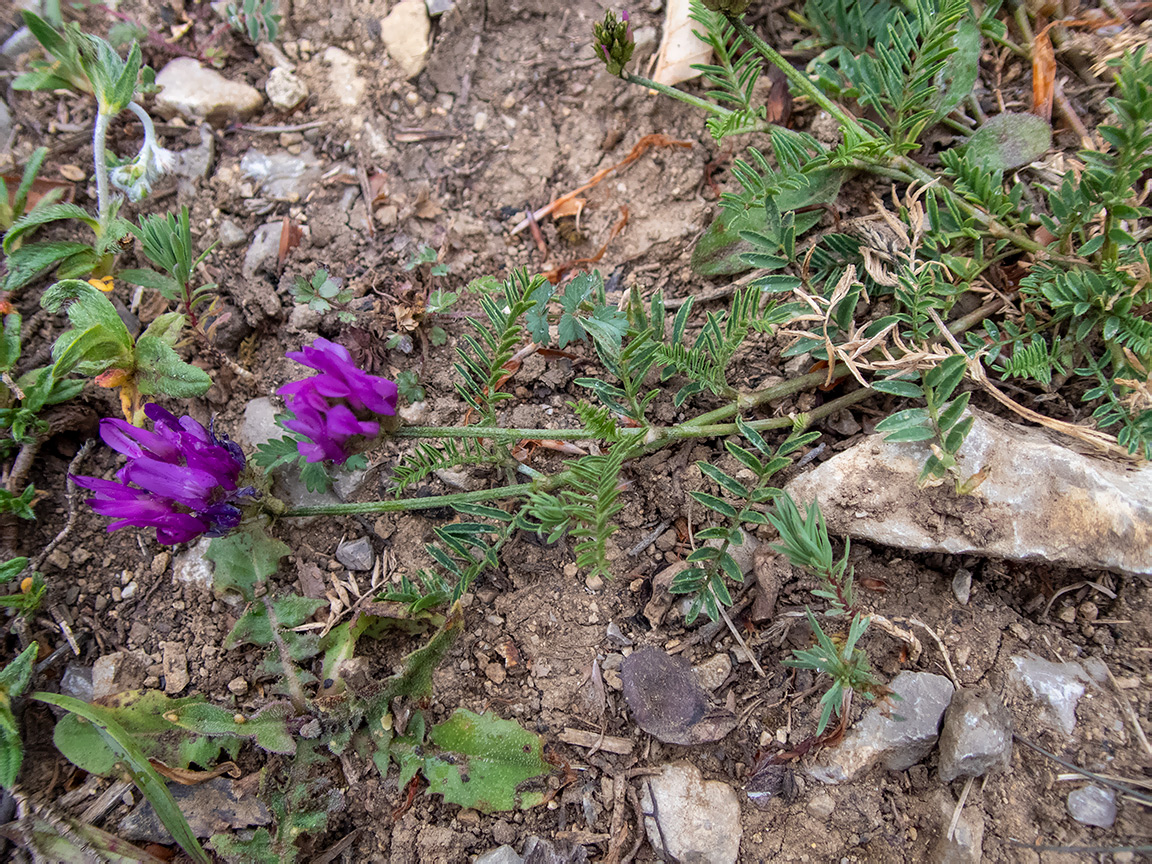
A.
x: 406, y: 504
x: 798, y: 79
x: 100, y: 163
x: 687, y: 98
x: 720, y: 430
x: 754, y: 400
x: 661, y: 437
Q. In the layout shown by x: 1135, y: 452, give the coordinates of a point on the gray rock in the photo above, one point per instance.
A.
x: 976, y: 736
x: 231, y: 235
x: 966, y: 843
x: 1058, y: 686
x: 821, y: 805
x: 77, y: 682
x: 263, y: 251
x: 259, y: 426
x: 195, y: 162
x: 537, y: 850
x: 282, y: 175
x: 20, y: 42
x: 348, y: 483
x: 356, y: 554
x: 347, y: 85
x: 405, y: 35
x: 285, y: 90
x: 898, y: 735
x: 962, y: 586
x: 744, y: 554
x: 714, y: 671
x: 196, y: 93
x: 1093, y: 805
x: 191, y: 567
x: 114, y: 673
x: 175, y: 661
x: 437, y: 7
x: 1041, y: 501
x: 499, y: 855
x: 698, y: 819
x: 616, y: 635
x: 209, y: 807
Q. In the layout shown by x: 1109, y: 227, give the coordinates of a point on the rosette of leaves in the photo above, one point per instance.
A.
x: 99, y: 346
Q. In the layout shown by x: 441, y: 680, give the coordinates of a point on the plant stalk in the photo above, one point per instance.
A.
x: 100, y: 163
x: 661, y: 437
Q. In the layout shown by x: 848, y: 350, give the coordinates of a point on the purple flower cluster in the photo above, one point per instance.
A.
x: 332, y: 407
x: 185, y: 478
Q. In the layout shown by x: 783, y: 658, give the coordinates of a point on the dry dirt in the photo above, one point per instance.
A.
x: 551, y: 118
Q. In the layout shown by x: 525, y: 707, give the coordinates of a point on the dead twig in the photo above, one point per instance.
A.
x: 642, y: 147
x: 73, y: 467
x: 1133, y: 717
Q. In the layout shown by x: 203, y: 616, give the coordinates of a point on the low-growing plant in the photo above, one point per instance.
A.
x: 910, y: 65
x: 255, y: 19
x: 88, y: 64
x: 14, y: 203
x: 324, y: 294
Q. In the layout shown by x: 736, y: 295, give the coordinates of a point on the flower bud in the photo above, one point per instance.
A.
x: 614, y: 41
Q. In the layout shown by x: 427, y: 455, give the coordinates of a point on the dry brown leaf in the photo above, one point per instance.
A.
x: 1043, y: 75
x: 680, y: 48
x: 189, y: 777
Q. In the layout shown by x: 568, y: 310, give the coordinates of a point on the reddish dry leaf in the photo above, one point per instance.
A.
x: 41, y: 188
x: 290, y: 236
x: 1043, y: 75
x: 189, y: 777
x: 642, y: 147
x: 556, y: 275
x: 779, y: 103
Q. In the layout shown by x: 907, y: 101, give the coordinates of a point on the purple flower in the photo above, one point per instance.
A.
x: 185, y: 478
x: 336, y: 405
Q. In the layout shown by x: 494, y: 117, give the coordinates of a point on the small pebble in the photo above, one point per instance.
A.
x: 1093, y: 805
x: 594, y: 583
x: 962, y: 586
x: 238, y: 686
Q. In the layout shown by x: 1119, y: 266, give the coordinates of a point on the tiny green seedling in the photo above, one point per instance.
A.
x: 324, y: 294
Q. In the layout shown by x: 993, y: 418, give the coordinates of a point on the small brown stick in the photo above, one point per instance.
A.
x: 642, y: 146
x: 1133, y: 718
x: 71, y: 496
x: 739, y: 639
x: 640, y: 832
x: 944, y: 651
x: 1075, y: 586
x: 534, y: 226
x: 617, y: 832
x: 366, y: 191
x: 341, y: 844
x: 277, y: 130
x: 959, y: 807
x: 1068, y: 112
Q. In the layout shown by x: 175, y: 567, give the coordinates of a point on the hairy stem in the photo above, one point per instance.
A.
x: 100, y: 164
x: 687, y: 98
x: 798, y: 79
x: 660, y: 437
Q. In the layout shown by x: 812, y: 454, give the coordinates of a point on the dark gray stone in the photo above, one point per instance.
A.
x: 976, y: 737
x: 356, y: 554
x: 898, y: 734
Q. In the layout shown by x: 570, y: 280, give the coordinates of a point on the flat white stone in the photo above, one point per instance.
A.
x: 1041, y: 501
